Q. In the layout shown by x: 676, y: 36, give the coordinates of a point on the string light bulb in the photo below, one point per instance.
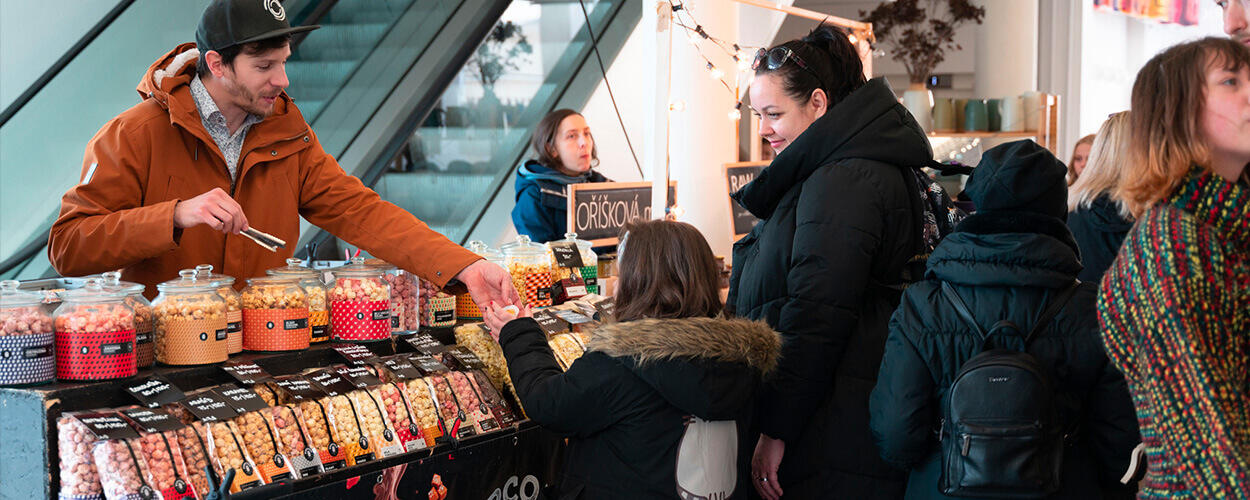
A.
x: 714, y: 72
x: 735, y: 115
x: 677, y: 106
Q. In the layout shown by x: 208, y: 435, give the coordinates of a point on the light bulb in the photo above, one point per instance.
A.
x: 743, y: 64
x: 854, y: 40
x: 678, y: 106
x: 716, y: 73
x: 676, y: 211
x: 734, y: 115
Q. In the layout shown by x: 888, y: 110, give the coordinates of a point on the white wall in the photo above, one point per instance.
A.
x: 1113, y: 48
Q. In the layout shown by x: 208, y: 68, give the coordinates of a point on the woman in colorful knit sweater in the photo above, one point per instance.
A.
x: 1175, y: 305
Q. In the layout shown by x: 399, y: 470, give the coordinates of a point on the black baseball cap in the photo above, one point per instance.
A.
x: 227, y: 23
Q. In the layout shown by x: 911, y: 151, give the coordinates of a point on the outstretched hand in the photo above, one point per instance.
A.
x: 487, y: 283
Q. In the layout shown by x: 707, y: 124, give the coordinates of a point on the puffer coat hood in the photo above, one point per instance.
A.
x: 541, y: 210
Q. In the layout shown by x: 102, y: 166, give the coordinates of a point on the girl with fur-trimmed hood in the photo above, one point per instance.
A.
x: 659, y: 406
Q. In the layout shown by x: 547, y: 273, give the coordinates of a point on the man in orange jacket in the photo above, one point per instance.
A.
x: 215, y: 147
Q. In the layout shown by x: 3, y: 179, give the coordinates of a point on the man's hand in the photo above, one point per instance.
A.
x: 496, y: 316
x: 214, y: 208
x: 487, y: 283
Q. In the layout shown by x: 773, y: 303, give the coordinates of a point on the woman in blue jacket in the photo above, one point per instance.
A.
x: 566, y: 155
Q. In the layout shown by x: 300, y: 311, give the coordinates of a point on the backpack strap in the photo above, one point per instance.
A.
x: 961, y: 308
x: 1052, y: 310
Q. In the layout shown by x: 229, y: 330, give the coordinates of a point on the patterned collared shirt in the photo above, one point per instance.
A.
x: 215, y: 123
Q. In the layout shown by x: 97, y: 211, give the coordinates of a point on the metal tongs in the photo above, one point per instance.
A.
x: 268, y: 241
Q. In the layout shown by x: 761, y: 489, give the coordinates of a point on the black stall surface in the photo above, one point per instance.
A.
x: 470, y: 468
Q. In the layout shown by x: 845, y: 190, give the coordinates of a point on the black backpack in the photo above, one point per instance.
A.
x: 1001, y: 432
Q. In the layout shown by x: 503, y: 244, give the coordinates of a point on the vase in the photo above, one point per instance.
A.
x: 960, y: 106
x: 944, y: 115
x: 1012, y: 114
x: 1032, y: 110
x: 976, y: 118
x: 919, y: 101
x: 994, y: 107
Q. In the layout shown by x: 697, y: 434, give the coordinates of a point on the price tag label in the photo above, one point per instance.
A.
x: 567, y: 254
x: 152, y: 421
x: 424, y: 343
x: 355, y: 354
x: 573, y: 317
x: 401, y: 367
x: 241, y: 399
x: 427, y: 364
x: 246, y: 373
x: 607, y: 309
x: 155, y: 391
x: 298, y: 387
x: 550, y: 323
x: 331, y: 382
x: 467, y: 358
x: 208, y: 406
x: 107, y: 425
x: 359, y: 376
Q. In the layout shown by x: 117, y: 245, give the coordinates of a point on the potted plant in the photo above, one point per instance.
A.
x: 918, y: 33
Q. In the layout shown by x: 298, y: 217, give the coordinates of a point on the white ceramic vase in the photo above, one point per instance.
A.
x: 1013, y: 115
x: 919, y: 101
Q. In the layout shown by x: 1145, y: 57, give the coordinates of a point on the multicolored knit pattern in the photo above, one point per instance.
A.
x: 1175, y: 315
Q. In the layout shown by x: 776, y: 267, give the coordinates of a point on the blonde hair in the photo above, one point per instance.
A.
x: 1165, y: 139
x: 1107, y: 159
x: 1072, y: 175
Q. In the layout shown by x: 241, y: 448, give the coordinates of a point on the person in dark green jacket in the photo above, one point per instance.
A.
x: 838, y: 212
x: 1007, y: 261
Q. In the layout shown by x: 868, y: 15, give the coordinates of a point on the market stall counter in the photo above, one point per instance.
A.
x: 513, y: 461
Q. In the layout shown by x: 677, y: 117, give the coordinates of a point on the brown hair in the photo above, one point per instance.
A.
x: 1072, y: 175
x: 544, y: 139
x: 228, y: 54
x: 666, y: 271
x: 1165, y: 139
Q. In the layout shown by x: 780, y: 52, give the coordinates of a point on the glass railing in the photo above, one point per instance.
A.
x: 468, y: 146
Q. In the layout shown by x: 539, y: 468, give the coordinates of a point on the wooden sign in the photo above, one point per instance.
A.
x: 736, y: 176
x: 598, y: 211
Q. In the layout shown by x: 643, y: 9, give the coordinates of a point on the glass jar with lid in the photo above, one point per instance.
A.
x: 589, y: 269
x: 465, y: 307
x: 318, y: 308
x: 360, y: 308
x: 191, y: 321
x: 234, y: 305
x: 145, y: 351
x: 275, y: 315
x: 27, y: 338
x: 405, y: 315
x: 95, y: 334
x: 530, y: 267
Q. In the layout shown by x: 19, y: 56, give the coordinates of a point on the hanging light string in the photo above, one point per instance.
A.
x: 695, y: 33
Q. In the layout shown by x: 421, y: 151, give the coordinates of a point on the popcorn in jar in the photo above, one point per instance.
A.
x: 275, y: 315
x: 310, y: 281
x: 95, y: 335
x: 27, y: 338
x: 145, y: 326
x: 530, y: 267
x: 234, y: 305
x: 403, y: 296
x: 191, y: 322
x: 360, y: 308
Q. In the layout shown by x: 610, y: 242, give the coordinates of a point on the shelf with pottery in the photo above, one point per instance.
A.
x: 1037, y: 114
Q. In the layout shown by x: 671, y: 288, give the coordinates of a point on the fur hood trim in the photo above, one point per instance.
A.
x: 753, y: 343
x: 175, y: 66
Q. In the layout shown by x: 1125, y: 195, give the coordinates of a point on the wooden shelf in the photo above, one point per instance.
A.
x: 983, y: 135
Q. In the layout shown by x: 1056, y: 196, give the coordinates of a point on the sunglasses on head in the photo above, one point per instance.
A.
x: 777, y: 57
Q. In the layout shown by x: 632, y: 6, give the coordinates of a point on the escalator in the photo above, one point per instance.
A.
x: 395, y: 90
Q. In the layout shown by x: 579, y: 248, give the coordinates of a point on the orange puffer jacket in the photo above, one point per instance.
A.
x: 157, y: 153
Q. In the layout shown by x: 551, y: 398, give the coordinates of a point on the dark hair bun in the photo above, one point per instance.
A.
x: 834, y: 63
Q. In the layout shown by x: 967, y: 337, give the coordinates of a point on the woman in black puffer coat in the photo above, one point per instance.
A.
x: 837, y: 229
x: 1008, y: 261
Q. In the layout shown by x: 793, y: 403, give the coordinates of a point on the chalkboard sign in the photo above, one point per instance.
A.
x: 736, y: 176
x: 598, y: 210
